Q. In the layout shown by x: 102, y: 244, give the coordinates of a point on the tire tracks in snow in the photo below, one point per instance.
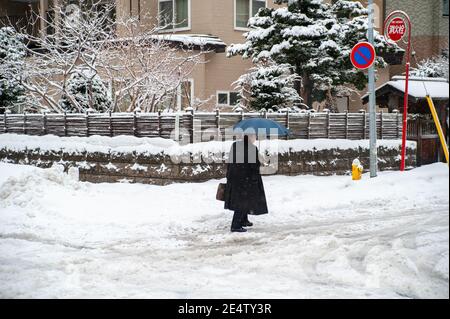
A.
x: 338, y: 228
x: 34, y: 238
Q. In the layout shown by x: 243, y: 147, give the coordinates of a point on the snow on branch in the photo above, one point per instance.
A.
x: 435, y: 67
x: 152, y: 80
x: 315, y: 38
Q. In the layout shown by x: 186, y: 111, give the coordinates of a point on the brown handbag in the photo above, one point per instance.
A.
x: 221, y: 192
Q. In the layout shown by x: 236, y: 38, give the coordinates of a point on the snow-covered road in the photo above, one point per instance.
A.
x: 326, y: 237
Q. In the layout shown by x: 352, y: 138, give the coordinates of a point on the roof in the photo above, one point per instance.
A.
x: 419, y: 88
x: 200, y: 40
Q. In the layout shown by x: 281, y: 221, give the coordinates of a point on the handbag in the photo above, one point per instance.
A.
x: 221, y: 192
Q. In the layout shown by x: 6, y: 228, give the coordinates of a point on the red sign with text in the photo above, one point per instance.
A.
x: 396, y: 29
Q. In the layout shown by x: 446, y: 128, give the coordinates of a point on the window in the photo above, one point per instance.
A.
x: 138, y: 13
x: 234, y: 98
x: 174, y: 14
x: 256, y: 5
x: 222, y: 98
x: 445, y: 8
x: 228, y: 98
x: 244, y: 9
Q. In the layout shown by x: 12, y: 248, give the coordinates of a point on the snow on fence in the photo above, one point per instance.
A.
x: 193, y: 125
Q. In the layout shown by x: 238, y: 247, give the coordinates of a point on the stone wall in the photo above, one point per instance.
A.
x: 161, y: 169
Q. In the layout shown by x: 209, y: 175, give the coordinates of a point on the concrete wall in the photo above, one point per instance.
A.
x: 161, y: 170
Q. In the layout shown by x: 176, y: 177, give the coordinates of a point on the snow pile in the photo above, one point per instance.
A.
x: 128, y: 144
x: 15, y: 191
x: 325, y: 237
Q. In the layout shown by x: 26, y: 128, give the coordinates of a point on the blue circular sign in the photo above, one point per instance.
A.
x: 363, y: 55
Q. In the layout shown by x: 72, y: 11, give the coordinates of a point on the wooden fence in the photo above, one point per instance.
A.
x: 193, y: 126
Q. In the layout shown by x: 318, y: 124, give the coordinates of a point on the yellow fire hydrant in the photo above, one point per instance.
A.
x: 357, y: 170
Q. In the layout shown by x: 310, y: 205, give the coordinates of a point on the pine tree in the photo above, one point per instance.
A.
x: 351, y: 28
x: 12, y: 56
x: 87, y: 91
x: 268, y: 86
x: 315, y: 39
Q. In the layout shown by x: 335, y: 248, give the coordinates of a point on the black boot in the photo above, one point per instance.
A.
x: 245, y: 222
x: 236, y: 224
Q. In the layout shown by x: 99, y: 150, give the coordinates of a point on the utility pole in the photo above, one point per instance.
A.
x: 372, y: 104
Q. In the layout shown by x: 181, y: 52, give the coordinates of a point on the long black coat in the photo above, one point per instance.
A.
x: 244, y: 191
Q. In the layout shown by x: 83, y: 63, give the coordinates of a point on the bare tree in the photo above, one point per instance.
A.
x: 144, y: 69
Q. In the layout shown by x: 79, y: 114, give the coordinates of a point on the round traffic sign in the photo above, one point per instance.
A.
x: 363, y: 55
x: 396, y: 29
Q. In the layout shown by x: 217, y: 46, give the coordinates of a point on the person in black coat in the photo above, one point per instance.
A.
x: 244, y: 191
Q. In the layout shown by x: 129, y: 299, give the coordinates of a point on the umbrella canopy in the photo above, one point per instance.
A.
x: 258, y: 125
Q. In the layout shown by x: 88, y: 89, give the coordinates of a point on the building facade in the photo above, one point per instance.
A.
x: 430, y: 28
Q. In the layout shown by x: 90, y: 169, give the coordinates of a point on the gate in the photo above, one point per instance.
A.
x: 423, y: 131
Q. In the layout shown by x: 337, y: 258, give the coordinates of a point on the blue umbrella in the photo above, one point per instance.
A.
x: 255, y: 125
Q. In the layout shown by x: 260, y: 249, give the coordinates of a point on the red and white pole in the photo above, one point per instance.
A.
x: 406, y: 18
x: 405, y: 119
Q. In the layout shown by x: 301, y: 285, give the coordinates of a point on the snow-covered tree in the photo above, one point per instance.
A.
x: 88, y: 90
x: 435, y: 67
x: 12, y: 59
x: 268, y: 86
x: 145, y: 68
x: 77, y: 40
x: 315, y: 39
